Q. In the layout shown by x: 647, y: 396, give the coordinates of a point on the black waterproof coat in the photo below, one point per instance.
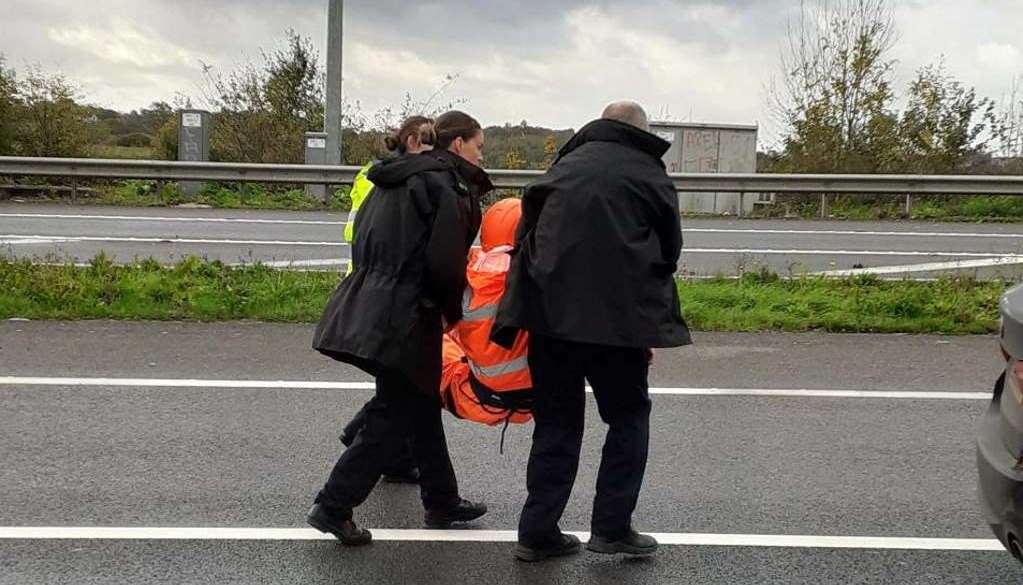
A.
x: 412, y: 238
x: 598, y: 245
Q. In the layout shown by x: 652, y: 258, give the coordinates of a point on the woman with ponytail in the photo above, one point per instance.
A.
x: 388, y: 317
x: 415, y: 135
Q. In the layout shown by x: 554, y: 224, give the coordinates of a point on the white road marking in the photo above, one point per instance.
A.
x: 795, y: 252
x: 22, y: 241
x: 926, y: 267
x: 171, y: 219
x: 300, y: 263
x: 751, y: 231
x: 490, y: 536
x: 175, y: 240
x: 761, y: 251
x: 324, y: 385
x: 184, y: 383
x: 1018, y: 236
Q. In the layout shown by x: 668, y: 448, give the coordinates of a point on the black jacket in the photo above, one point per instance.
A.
x: 598, y: 245
x: 412, y: 237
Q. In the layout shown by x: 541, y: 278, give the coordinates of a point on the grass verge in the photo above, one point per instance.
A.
x: 950, y: 208
x: 210, y: 291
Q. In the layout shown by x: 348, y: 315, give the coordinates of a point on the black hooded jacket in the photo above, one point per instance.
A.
x: 412, y: 237
x: 598, y: 246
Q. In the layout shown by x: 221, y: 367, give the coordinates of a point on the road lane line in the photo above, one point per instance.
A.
x: 171, y: 219
x: 926, y: 267
x: 751, y: 231
x: 176, y: 240
x: 30, y: 241
x: 798, y: 232
x: 490, y: 536
x: 761, y: 251
x: 326, y: 385
x: 324, y: 262
x: 814, y: 252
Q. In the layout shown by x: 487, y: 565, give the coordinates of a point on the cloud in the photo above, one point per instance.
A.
x: 999, y: 56
x: 121, y: 42
x: 552, y: 62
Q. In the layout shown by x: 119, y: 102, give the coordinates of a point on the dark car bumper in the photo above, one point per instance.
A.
x: 1001, y: 478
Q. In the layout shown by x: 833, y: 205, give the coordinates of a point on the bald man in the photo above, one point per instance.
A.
x: 592, y: 280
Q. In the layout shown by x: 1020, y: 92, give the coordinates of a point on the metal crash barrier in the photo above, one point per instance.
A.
x: 743, y: 183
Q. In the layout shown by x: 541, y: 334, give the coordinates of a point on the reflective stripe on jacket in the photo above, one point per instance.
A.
x: 482, y: 381
x: 498, y: 368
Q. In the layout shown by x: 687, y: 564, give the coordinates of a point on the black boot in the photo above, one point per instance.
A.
x: 566, y: 544
x: 464, y: 511
x: 320, y: 518
x: 634, y: 544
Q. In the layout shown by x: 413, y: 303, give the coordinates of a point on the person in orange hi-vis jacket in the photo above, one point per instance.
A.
x: 480, y: 380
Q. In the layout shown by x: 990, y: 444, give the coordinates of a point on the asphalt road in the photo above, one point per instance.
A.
x: 712, y: 246
x: 92, y: 453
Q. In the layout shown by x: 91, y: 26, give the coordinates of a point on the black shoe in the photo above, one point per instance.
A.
x: 410, y: 475
x: 464, y: 511
x: 345, y: 530
x: 567, y: 544
x: 634, y: 544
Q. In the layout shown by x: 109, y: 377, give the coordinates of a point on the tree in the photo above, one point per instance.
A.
x: 165, y: 137
x: 49, y: 120
x: 165, y: 141
x: 8, y: 102
x: 837, y: 86
x: 1007, y: 123
x: 262, y: 114
x: 942, y: 122
x: 513, y: 160
x: 550, y: 151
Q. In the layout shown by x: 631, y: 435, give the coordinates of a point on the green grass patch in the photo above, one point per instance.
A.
x: 120, y: 152
x: 852, y: 305
x: 211, y: 291
x: 953, y: 208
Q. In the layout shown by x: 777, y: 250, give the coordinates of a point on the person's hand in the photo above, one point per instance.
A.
x: 649, y: 355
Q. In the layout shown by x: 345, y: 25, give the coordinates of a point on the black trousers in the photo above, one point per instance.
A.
x: 397, y: 466
x: 397, y: 415
x: 618, y: 376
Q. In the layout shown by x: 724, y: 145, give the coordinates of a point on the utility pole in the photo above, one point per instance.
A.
x: 332, y: 119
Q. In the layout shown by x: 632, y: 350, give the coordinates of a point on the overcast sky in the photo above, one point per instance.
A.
x: 553, y: 62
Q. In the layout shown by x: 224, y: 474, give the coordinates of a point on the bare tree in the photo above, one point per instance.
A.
x: 8, y: 101
x: 1007, y: 123
x: 836, y: 82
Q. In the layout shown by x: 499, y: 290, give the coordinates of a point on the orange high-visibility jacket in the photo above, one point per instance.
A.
x: 482, y: 381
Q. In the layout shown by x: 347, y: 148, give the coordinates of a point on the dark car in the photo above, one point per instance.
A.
x: 1000, y: 444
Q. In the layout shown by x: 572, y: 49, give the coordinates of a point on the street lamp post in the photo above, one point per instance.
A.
x: 332, y: 121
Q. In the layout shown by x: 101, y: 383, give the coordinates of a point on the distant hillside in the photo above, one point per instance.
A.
x: 130, y: 129
x: 518, y: 146
x: 522, y: 146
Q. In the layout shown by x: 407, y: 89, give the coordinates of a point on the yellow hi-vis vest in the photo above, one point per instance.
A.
x: 361, y: 187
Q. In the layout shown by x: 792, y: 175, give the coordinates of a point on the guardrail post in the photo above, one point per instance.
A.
x: 741, y: 210
x: 909, y: 203
x: 824, y: 205
x: 316, y: 154
x: 74, y: 190
x: 193, y: 143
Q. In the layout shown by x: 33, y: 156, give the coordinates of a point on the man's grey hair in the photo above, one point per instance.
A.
x: 629, y: 113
